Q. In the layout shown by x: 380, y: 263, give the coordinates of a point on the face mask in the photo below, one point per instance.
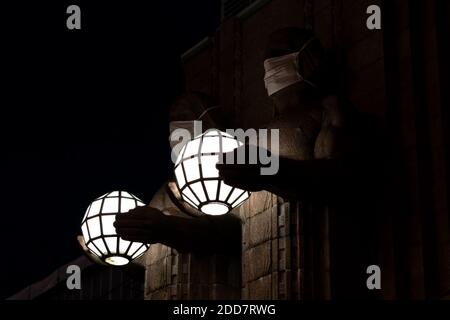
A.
x: 281, y: 72
x: 181, y: 132
x: 185, y: 125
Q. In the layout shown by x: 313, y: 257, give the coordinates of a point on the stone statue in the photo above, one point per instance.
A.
x: 314, y: 123
x: 321, y: 159
x: 171, y: 221
x: 203, y: 252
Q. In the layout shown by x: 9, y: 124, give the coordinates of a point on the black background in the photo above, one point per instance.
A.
x: 83, y: 112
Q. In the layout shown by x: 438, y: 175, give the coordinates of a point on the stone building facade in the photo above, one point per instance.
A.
x: 97, y: 283
x: 293, y: 251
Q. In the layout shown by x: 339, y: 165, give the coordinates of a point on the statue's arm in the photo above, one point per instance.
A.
x: 296, y: 179
x: 322, y: 178
x: 171, y: 227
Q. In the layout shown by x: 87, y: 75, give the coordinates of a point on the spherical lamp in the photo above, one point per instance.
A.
x: 198, y: 179
x: 100, y: 234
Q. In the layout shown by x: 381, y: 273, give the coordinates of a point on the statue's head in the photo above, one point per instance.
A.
x: 188, y: 111
x: 198, y: 106
x: 192, y: 106
x: 293, y: 65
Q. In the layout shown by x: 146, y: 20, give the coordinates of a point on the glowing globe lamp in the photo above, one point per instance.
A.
x: 198, y: 179
x: 100, y: 234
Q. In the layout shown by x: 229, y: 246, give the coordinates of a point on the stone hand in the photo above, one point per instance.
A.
x: 244, y: 171
x: 142, y: 224
x: 296, y: 179
x: 185, y: 234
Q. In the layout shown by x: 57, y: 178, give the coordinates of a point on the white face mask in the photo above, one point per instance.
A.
x: 281, y: 72
x: 181, y: 132
x: 186, y: 125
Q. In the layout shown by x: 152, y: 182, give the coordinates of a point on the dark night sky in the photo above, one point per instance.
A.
x: 83, y: 113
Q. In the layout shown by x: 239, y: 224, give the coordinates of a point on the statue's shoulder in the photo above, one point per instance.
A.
x: 158, y: 198
x: 335, y: 111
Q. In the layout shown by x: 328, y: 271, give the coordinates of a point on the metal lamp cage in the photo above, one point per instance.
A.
x: 100, y: 234
x: 198, y: 179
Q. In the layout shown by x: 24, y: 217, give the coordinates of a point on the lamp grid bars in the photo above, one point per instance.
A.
x: 198, y: 179
x: 100, y: 234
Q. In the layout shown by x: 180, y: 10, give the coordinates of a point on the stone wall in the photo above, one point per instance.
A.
x: 173, y: 275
